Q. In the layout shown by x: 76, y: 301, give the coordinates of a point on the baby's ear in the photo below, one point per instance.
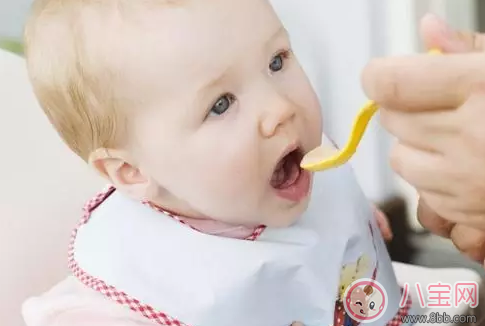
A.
x: 121, y: 171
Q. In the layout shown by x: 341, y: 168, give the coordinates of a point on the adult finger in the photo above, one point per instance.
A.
x: 454, y: 211
x: 469, y: 241
x: 436, y: 33
x: 425, y: 130
x: 472, y: 115
x: 427, y: 122
x: 423, y: 82
x: 422, y: 169
x: 430, y: 220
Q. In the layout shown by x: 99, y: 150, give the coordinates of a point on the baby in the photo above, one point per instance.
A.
x: 198, y: 114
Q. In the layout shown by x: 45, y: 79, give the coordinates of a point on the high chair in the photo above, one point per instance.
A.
x: 43, y: 189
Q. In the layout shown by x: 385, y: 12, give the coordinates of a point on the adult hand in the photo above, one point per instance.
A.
x: 435, y: 106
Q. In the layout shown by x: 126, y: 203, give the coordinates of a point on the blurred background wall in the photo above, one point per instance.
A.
x: 12, y: 15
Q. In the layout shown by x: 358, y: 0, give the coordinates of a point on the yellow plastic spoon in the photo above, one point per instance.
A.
x: 325, y: 157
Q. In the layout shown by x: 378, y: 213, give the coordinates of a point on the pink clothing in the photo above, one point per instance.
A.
x: 218, y: 228
x: 209, y: 226
x: 71, y: 303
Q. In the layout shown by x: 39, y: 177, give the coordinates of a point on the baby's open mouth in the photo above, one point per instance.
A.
x: 289, y: 181
x: 287, y: 170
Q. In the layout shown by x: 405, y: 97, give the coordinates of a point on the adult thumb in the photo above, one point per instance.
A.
x: 436, y: 33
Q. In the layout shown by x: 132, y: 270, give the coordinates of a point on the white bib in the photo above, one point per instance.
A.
x: 286, y: 275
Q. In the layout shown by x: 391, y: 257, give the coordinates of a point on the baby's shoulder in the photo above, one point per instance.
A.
x: 70, y: 303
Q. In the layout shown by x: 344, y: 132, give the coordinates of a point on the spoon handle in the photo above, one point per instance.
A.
x: 342, y: 156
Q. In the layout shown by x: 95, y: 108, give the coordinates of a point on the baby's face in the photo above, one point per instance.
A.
x: 224, y: 100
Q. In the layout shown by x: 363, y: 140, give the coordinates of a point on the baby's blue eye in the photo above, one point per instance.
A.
x: 278, y: 61
x: 222, y: 104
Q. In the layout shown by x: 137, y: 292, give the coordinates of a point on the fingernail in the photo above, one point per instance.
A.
x: 442, y: 25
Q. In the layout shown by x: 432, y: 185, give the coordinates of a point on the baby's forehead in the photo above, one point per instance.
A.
x: 189, y: 44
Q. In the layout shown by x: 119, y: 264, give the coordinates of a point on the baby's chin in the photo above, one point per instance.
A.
x: 287, y: 216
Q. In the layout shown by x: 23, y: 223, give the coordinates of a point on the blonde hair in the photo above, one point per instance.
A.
x: 69, y: 48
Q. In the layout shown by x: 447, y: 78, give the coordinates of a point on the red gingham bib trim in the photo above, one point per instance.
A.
x: 107, y: 290
x: 402, y: 312
x: 135, y: 305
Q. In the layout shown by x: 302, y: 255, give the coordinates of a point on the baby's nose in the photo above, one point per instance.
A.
x: 276, y: 114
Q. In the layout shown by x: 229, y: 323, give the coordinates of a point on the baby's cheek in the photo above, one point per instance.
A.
x: 234, y: 176
x: 221, y: 171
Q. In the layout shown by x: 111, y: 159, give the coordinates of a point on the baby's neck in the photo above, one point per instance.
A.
x: 209, y: 226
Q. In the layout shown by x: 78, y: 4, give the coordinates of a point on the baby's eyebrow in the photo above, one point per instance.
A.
x: 217, y: 80
x: 214, y: 81
x: 211, y: 83
x: 281, y: 30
